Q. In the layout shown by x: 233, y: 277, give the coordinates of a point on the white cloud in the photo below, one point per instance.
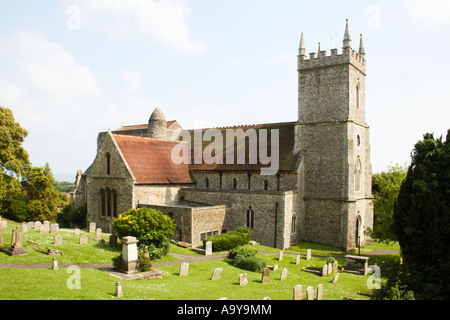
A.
x: 429, y: 12
x: 164, y: 19
x: 133, y: 81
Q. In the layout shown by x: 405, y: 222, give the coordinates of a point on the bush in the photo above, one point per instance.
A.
x: 230, y: 240
x: 245, y: 258
x: 72, y: 217
x: 16, y: 210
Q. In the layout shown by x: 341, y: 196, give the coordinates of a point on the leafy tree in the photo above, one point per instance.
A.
x: 385, y: 188
x: 152, y: 228
x: 422, y: 219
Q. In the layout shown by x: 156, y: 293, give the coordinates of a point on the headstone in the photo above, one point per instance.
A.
x: 54, y: 228
x: 24, y: 227
x: 4, y: 224
x: 98, y: 233
x: 298, y: 292
x: 58, y: 240
x: 1, y: 237
x: 92, y: 227
x: 216, y: 274
x: 310, y: 293
x: 324, y: 270
x: 330, y: 268
x: 76, y: 231
x: 297, y: 259
x: 47, y: 225
x: 283, y: 274
x: 308, y: 254
x: 30, y: 225
x: 119, y: 292
x: 243, y: 279
x: 280, y: 256
x: 129, y: 254
x: 335, y: 266
x: 43, y: 228
x: 55, y: 264
x: 208, y: 248
x: 319, y: 293
x: 16, y: 243
x: 184, y: 269
x: 265, y: 275
x: 83, y: 239
x: 113, y: 240
x: 336, y: 278
x: 37, y: 225
x: 102, y: 243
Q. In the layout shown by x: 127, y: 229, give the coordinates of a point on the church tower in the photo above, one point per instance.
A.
x: 335, y: 182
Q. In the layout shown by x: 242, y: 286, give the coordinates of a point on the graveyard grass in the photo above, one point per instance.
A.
x: 48, y: 284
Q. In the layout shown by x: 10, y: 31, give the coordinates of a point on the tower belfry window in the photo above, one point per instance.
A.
x: 108, y: 164
x: 358, y: 169
x: 357, y: 96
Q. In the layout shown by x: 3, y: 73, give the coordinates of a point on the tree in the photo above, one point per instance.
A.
x: 422, y: 219
x: 385, y: 189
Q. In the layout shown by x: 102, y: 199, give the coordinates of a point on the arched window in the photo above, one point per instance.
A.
x: 358, y: 231
x: 357, y: 96
x: 294, y: 224
x: 108, y: 164
x: 206, y: 182
x: 108, y: 203
x: 358, y: 169
x: 266, y: 185
x: 102, y: 203
x: 234, y: 183
x: 114, y: 203
x: 250, y: 217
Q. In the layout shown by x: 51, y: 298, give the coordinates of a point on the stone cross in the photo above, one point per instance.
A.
x: 243, y: 279
x: 310, y: 293
x: 92, y: 227
x: 308, y: 254
x: 216, y: 274
x: 184, y: 269
x: 298, y: 292
x: 119, y: 292
x: 208, y: 247
x: 58, y: 240
x: 129, y: 254
x: 283, y: 274
x: 83, y: 239
x: 265, y: 275
x: 319, y: 292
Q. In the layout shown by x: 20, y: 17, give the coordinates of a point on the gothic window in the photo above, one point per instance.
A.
x: 207, y: 182
x: 358, y: 170
x: 108, y: 203
x: 294, y: 224
x: 266, y: 185
x: 358, y: 140
x: 234, y: 183
x: 108, y: 164
x: 250, y: 217
x: 114, y: 203
x: 357, y: 96
x: 102, y: 203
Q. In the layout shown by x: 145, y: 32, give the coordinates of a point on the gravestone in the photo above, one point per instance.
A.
x: 184, y: 269
x: 43, y: 228
x: 24, y: 227
x: 54, y: 228
x: 37, y: 225
x: 216, y: 274
x: 102, y: 243
x: 297, y: 259
x: 4, y: 224
x: 92, y: 227
x: 55, y: 264
x: 330, y: 268
x: 83, y: 239
x: 1, y: 236
x: 265, y: 275
x: 298, y: 292
x: 119, y: 292
x: 76, y: 231
x: 113, y: 240
x: 129, y: 254
x: 98, y: 233
x: 336, y: 278
x: 47, y: 223
x: 310, y: 293
x: 58, y: 240
x: 283, y: 274
x: 319, y: 292
x: 243, y: 279
x: 335, y: 266
x: 208, y: 248
x: 30, y: 225
x: 280, y: 256
x: 16, y: 243
x: 308, y: 254
x: 324, y: 270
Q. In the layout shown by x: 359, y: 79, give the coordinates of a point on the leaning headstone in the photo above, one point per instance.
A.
x: 324, y: 270
x: 55, y: 264
x: 113, y: 240
x: 98, y: 233
x: 298, y: 292
x: 243, y: 279
x: 280, y: 256
x: 310, y: 293
x: 297, y: 259
x: 76, y: 231
x: 83, y: 239
x: 92, y: 227
x: 208, y: 248
x: 216, y: 274
x: 58, y: 240
x: 336, y: 278
x: 308, y: 254
x: 319, y: 293
x: 184, y: 269
x: 265, y: 275
x: 283, y: 274
x: 119, y: 292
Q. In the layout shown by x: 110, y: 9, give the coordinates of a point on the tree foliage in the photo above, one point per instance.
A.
x: 422, y: 219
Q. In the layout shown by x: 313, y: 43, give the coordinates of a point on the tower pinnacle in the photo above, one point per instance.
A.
x: 302, y: 49
x: 347, y: 37
x: 362, y: 53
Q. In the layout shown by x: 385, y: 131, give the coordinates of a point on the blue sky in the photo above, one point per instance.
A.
x: 72, y: 68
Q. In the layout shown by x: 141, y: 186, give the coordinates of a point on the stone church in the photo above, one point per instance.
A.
x: 320, y: 193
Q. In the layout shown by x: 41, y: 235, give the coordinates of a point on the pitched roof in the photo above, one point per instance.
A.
x: 288, y: 161
x: 150, y: 160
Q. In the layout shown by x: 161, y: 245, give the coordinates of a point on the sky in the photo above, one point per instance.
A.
x: 72, y: 68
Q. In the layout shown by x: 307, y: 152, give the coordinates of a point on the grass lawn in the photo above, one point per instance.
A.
x: 95, y: 284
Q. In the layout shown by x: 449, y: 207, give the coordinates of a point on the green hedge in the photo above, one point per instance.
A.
x: 245, y: 258
x: 230, y: 240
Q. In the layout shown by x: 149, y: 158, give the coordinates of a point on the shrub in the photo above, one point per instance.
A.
x: 245, y: 258
x: 230, y: 240
x: 16, y: 210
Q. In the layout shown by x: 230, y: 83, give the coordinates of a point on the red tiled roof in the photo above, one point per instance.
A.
x: 150, y: 160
